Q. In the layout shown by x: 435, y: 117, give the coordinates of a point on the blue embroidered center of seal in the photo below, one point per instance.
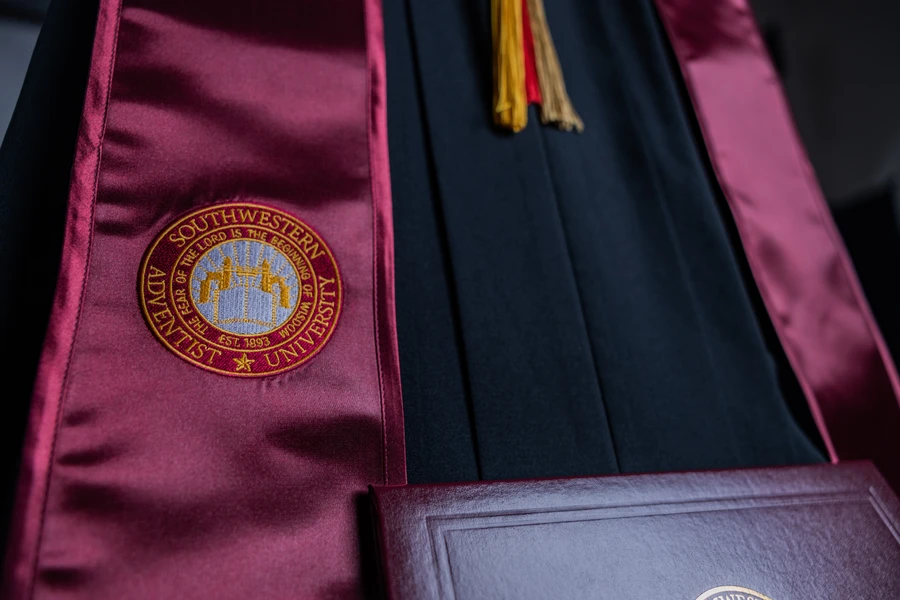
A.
x: 245, y: 287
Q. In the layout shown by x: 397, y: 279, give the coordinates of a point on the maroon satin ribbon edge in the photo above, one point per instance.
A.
x: 51, y: 382
x: 383, y: 255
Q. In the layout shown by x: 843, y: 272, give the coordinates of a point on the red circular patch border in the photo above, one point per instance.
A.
x: 168, y: 306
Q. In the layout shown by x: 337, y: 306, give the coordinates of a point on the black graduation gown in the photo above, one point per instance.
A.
x: 569, y: 304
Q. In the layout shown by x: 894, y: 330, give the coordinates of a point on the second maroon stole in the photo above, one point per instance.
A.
x: 795, y: 252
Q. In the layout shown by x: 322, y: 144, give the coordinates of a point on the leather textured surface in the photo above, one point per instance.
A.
x: 824, y: 532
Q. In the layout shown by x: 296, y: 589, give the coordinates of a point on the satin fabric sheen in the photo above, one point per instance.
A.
x: 798, y: 260
x: 145, y: 477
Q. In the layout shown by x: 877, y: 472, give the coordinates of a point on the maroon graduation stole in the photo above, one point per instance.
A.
x: 220, y: 376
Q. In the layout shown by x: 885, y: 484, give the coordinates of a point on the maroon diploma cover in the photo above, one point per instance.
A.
x: 825, y: 532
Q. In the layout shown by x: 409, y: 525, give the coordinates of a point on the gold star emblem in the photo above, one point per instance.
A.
x: 243, y: 363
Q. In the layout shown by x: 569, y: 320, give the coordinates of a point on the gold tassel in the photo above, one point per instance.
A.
x: 510, y: 101
x: 556, y: 107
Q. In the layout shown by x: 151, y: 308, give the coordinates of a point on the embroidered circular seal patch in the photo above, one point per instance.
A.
x: 241, y: 289
x: 731, y: 592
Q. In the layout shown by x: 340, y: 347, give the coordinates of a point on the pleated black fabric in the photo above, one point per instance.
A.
x: 600, y: 320
x: 439, y: 431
